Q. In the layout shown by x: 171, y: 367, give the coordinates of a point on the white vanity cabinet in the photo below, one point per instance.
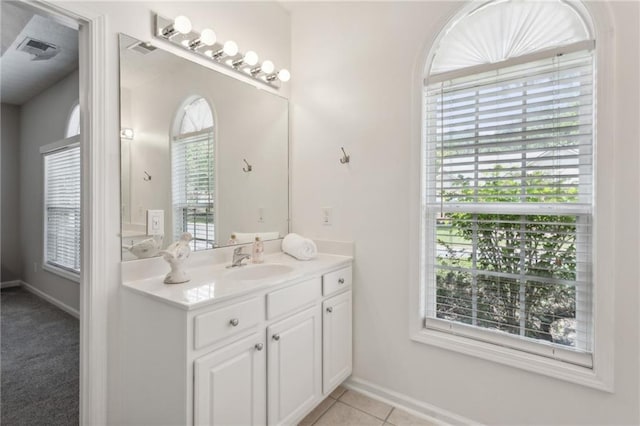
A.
x: 230, y: 384
x: 336, y: 341
x: 294, y: 379
x: 268, y: 355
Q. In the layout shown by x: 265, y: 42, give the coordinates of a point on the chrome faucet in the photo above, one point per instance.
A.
x: 238, y: 257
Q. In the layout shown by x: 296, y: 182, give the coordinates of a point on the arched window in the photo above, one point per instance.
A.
x: 73, y: 124
x: 192, y: 164
x: 508, y: 193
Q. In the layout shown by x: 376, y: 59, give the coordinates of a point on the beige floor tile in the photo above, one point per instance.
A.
x: 402, y: 418
x: 314, y: 415
x: 366, y: 404
x: 337, y: 393
x: 343, y: 415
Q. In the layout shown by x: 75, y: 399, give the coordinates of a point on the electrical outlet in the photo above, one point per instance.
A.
x: 155, y: 222
x: 327, y: 216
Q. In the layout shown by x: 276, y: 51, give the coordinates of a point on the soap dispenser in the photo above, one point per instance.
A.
x: 257, y: 254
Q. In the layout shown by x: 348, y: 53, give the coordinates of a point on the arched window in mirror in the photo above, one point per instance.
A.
x: 73, y: 124
x: 192, y: 167
x: 508, y: 193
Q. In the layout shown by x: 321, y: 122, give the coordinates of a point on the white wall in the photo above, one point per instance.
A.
x: 355, y: 67
x: 43, y: 120
x: 10, y: 154
x: 261, y: 26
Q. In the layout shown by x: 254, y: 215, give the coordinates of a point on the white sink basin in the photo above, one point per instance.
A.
x: 259, y: 272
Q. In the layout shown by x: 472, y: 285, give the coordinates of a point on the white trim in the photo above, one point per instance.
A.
x: 61, y: 272
x: 9, y: 284
x: 514, y: 358
x: 41, y: 294
x: 412, y: 406
x: 96, y: 160
x: 518, y: 60
x: 70, y: 142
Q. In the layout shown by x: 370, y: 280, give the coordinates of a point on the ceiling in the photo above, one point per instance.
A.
x: 22, y: 77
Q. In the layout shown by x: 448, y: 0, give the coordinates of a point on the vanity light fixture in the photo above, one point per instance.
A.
x: 179, y: 32
x: 180, y: 25
x: 207, y: 38
x: 126, y: 133
x: 249, y: 59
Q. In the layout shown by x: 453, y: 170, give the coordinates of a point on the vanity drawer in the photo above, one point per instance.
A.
x: 290, y: 298
x: 335, y: 281
x: 213, y: 326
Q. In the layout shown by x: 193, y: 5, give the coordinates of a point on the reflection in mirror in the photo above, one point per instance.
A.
x: 188, y: 136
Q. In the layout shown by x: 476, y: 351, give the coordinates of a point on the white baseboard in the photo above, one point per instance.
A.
x: 408, y: 404
x: 7, y: 284
x: 68, y: 309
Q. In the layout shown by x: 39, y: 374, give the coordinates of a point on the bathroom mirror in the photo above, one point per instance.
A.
x: 201, y: 152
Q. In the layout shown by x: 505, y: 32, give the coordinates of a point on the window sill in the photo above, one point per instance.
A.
x: 62, y: 273
x: 514, y: 358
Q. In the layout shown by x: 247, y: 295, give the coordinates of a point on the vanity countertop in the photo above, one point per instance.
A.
x: 212, y: 284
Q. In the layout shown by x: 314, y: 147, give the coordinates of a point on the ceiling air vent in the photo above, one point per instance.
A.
x: 40, y: 50
x: 142, y: 47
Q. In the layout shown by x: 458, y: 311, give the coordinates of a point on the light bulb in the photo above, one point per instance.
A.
x: 209, y: 53
x: 230, y: 48
x: 208, y: 37
x: 267, y: 67
x: 251, y: 58
x: 284, y: 75
x: 182, y: 24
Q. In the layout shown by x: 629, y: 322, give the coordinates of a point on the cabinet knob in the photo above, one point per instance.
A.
x: 259, y: 346
x: 330, y: 309
x: 341, y: 281
x: 276, y: 337
x: 234, y: 322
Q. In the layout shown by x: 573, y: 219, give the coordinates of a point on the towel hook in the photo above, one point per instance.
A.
x: 248, y: 168
x: 345, y: 158
x: 147, y: 177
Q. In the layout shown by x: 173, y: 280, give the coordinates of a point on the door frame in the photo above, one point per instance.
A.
x: 95, y: 272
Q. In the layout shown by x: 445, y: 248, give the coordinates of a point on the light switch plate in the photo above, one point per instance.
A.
x: 327, y: 215
x: 155, y: 222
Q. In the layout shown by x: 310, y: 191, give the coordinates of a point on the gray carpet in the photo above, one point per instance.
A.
x: 40, y: 361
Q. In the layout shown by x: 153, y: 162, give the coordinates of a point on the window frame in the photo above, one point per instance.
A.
x: 72, y: 142
x: 580, y: 209
x: 601, y: 376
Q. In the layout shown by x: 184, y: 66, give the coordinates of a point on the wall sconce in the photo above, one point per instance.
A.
x: 179, y: 32
x: 126, y: 133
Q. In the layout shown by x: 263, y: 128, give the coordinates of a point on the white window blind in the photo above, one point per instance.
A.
x: 62, y: 209
x: 508, y: 206
x: 192, y: 162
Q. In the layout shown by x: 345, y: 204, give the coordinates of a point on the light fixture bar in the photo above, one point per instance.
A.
x: 177, y: 32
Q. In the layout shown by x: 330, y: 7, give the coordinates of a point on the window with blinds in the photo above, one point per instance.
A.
x: 509, y: 205
x: 192, y: 164
x: 62, y: 209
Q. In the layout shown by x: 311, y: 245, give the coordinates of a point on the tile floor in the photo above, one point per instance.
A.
x: 346, y: 407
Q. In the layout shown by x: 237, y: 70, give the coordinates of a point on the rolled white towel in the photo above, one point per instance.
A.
x: 299, y: 247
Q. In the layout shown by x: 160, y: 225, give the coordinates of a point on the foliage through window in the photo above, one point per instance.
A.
x: 509, y: 203
x: 192, y: 162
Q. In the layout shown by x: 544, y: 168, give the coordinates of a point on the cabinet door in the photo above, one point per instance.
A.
x: 294, y: 366
x: 230, y: 385
x: 336, y: 341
